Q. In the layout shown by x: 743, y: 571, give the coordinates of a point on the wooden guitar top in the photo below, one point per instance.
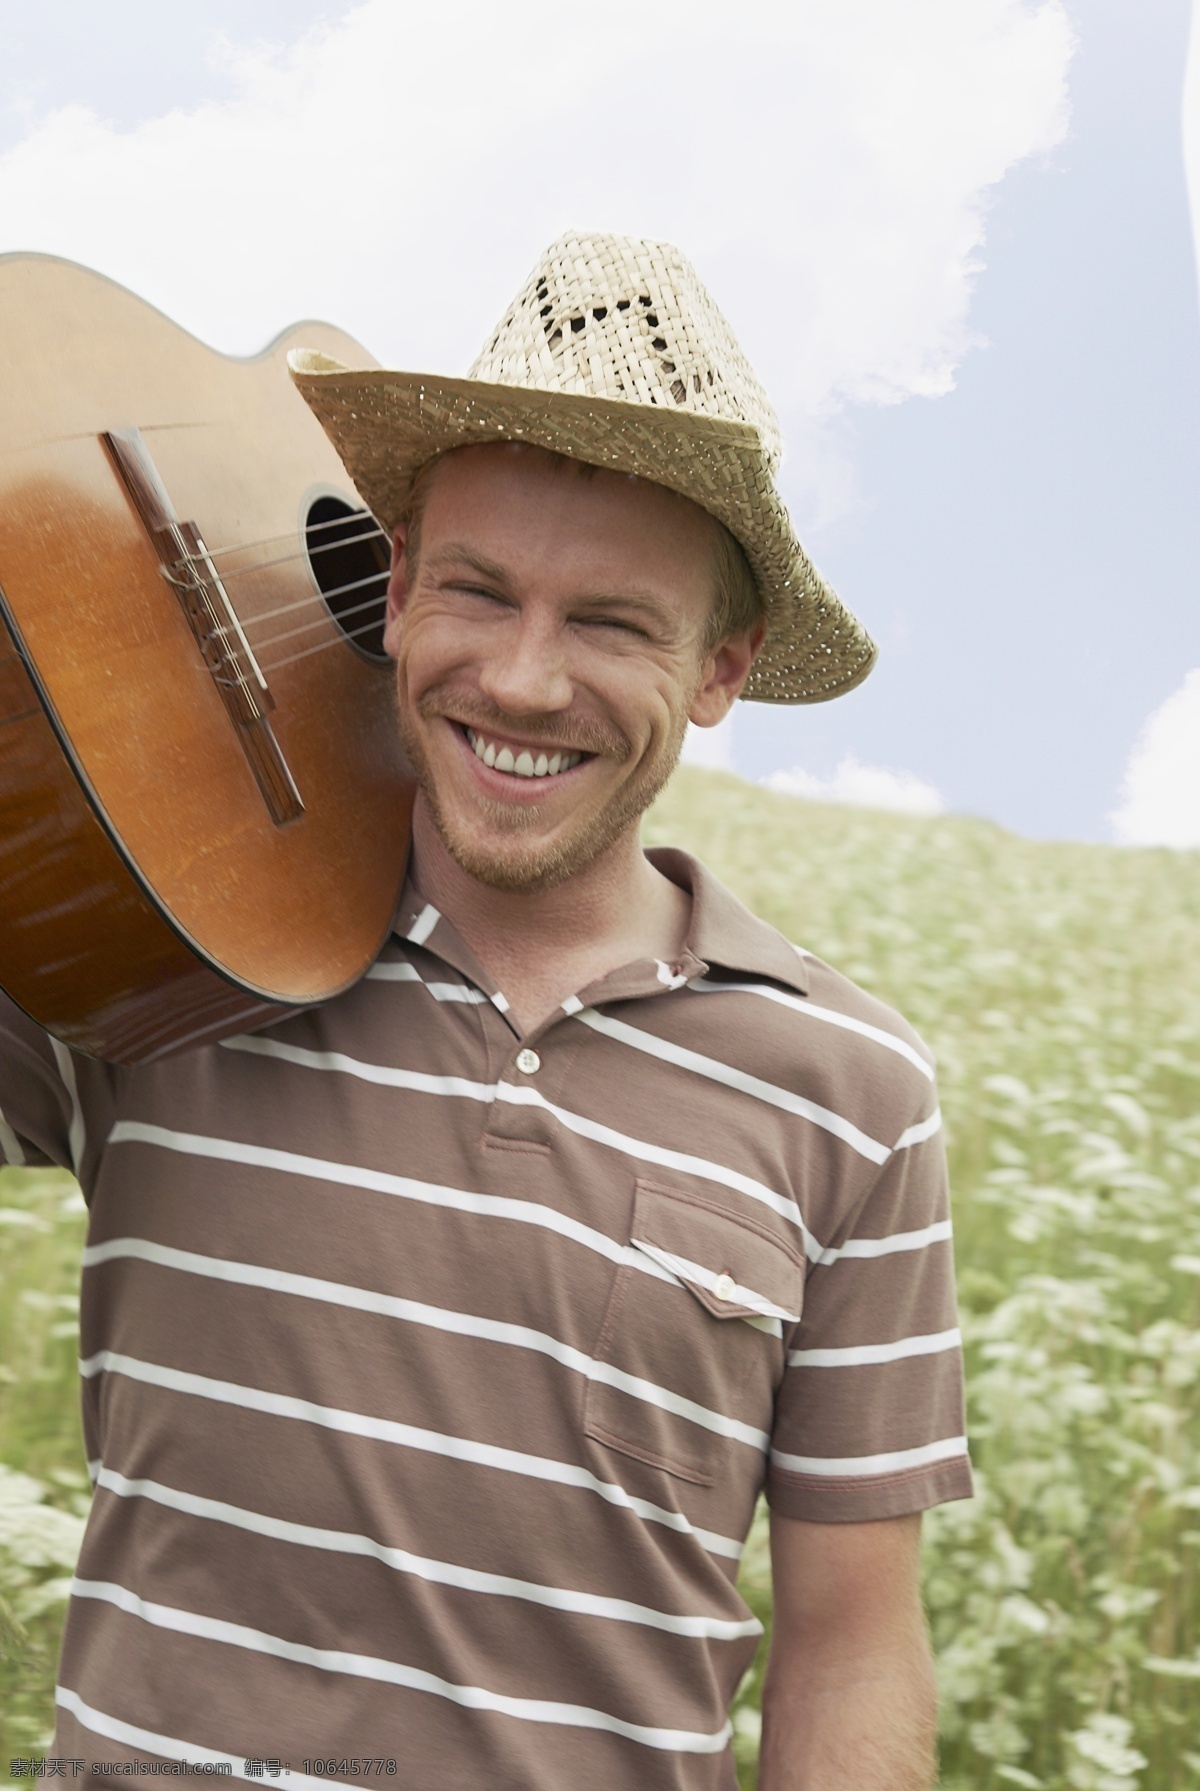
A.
x: 148, y: 895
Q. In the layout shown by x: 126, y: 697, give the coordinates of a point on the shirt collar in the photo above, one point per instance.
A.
x: 722, y: 931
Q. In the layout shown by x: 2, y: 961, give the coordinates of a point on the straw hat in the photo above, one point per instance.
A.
x: 614, y: 353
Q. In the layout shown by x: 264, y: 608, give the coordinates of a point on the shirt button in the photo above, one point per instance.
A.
x: 528, y: 1062
x: 725, y: 1287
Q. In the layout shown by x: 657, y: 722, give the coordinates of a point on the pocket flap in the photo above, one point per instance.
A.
x: 733, y: 1267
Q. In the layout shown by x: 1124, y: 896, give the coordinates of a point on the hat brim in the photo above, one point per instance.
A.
x: 387, y: 425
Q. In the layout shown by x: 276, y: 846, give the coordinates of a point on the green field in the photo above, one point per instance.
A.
x: 1058, y: 986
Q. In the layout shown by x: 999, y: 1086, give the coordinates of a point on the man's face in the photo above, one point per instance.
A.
x: 554, y: 618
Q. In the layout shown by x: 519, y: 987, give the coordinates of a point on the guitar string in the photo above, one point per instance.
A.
x: 319, y: 621
x: 221, y: 632
x: 308, y: 600
x: 288, y: 559
x: 260, y: 644
x: 348, y: 634
x: 314, y: 528
x: 310, y: 597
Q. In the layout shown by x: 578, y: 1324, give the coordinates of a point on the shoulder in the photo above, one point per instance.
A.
x: 847, y: 1002
x: 783, y: 1006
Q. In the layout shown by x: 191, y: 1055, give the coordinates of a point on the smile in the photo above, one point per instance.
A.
x: 523, y: 763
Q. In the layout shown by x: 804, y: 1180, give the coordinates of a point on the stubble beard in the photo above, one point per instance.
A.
x: 527, y: 866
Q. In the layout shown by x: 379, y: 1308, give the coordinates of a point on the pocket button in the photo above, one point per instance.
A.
x: 724, y: 1287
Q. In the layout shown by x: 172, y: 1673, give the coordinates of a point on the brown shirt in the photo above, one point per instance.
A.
x: 431, y: 1372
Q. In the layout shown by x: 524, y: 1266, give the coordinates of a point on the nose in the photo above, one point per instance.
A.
x: 526, y: 673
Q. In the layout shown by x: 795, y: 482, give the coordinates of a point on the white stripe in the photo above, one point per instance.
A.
x: 526, y: 1096
x: 938, y: 1233
x: 406, y: 1436
x: 643, y: 1152
x: 801, y: 1005
x: 438, y: 1318
x: 707, y: 1279
x: 438, y: 1573
x: 853, y: 1467
x: 729, y: 1077
x: 394, y: 971
x: 771, y: 1327
x: 416, y: 1080
x: 286, y: 1162
x: 66, y: 1069
x: 457, y: 992
x: 423, y: 925
x: 113, y: 1729
x: 389, y: 1672
x: 516, y: 1096
x: 500, y: 1001
x: 856, y: 1355
x: 925, y: 1128
x: 10, y: 1144
x: 572, y: 1005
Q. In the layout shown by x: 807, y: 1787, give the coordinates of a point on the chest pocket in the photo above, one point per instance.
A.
x: 691, y: 1350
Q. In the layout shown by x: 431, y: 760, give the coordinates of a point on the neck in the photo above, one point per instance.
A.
x: 542, y: 945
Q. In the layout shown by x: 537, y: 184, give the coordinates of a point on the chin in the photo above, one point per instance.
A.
x: 508, y: 856
x: 517, y: 873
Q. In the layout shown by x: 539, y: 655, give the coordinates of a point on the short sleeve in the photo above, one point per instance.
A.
x: 869, y: 1420
x: 39, y: 1118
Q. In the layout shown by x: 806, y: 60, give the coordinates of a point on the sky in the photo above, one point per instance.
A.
x: 953, y: 236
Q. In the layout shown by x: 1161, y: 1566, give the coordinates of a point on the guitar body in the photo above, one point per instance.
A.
x: 151, y: 896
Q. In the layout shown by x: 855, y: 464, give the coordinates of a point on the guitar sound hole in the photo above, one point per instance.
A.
x: 348, y: 555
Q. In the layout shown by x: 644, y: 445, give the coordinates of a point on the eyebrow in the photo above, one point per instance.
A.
x: 458, y: 553
x: 640, y: 602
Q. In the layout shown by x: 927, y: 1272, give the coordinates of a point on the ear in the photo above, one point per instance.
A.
x: 397, y: 592
x: 723, y: 676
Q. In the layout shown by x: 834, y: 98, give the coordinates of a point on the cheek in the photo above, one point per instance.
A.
x: 427, y: 649
x: 660, y: 715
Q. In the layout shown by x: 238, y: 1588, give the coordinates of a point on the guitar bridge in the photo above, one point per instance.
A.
x: 188, y: 567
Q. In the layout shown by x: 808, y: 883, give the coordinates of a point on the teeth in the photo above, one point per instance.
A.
x: 523, y: 764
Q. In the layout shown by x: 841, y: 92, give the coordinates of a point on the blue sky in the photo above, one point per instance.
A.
x: 1028, y: 546
x: 954, y: 237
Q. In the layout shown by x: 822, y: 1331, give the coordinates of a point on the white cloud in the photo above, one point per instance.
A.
x: 1160, y: 792
x: 861, y: 786
x: 827, y: 166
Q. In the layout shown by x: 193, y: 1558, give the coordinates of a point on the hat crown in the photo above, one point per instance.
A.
x: 619, y: 317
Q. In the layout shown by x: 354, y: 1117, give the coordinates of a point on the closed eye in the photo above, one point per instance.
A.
x: 479, y: 591
x: 618, y: 622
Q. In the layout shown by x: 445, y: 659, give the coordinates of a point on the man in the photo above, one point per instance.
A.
x: 437, y: 1343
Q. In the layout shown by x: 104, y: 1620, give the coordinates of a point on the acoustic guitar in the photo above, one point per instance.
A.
x: 204, y: 811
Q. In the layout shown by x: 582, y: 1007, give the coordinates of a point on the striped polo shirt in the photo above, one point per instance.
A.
x: 431, y: 1370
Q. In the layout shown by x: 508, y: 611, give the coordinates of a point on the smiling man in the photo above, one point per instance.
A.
x: 552, y: 637
x: 438, y: 1343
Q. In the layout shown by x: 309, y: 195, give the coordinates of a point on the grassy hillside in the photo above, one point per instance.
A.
x: 1058, y: 986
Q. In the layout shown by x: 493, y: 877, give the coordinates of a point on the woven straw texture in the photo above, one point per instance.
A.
x: 613, y: 353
